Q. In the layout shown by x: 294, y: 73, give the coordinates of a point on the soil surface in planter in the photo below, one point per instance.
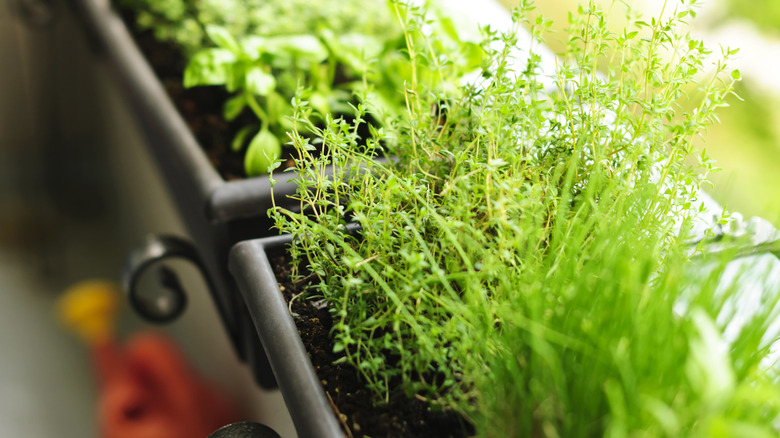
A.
x: 352, y: 402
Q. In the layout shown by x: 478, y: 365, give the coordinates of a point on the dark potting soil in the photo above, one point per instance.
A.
x: 352, y: 402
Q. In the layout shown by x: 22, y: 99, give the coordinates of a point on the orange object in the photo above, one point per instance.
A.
x: 147, y: 388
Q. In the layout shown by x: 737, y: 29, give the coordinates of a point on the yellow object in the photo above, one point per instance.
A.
x: 89, y: 308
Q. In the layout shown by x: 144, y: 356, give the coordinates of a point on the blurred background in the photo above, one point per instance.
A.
x: 746, y: 144
x: 78, y: 191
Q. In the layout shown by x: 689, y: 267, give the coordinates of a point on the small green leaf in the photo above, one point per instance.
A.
x: 305, y: 46
x: 263, y: 150
x: 240, y: 138
x: 361, y: 45
x: 236, y: 76
x: 736, y: 75
x: 222, y: 38
x: 259, y: 82
x: 319, y: 102
x: 631, y: 35
x: 233, y: 107
x: 208, y: 67
x: 449, y: 28
x: 253, y: 46
x: 278, y: 107
x: 473, y: 55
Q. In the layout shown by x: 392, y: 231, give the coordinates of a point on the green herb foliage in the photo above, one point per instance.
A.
x: 764, y: 13
x: 523, y: 258
x: 262, y: 51
x: 183, y: 22
x: 332, y: 64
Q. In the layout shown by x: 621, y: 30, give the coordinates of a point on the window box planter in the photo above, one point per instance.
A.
x: 310, y: 407
x: 313, y: 410
x: 193, y: 180
x: 217, y: 213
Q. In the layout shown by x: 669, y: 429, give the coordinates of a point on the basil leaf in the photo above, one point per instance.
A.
x: 208, y: 67
x: 233, y: 107
x: 301, y: 46
x: 263, y: 150
x: 473, y: 55
x: 259, y: 82
x: 221, y: 37
x: 236, y: 76
x: 240, y: 138
x: 278, y: 106
x: 254, y: 46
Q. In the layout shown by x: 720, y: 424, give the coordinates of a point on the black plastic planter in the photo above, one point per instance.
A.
x: 310, y: 409
x: 217, y: 213
x: 196, y: 184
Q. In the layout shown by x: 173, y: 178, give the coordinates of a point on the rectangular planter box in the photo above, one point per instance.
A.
x: 308, y: 405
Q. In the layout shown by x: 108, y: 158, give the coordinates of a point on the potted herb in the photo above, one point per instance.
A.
x: 525, y: 261
x: 223, y: 74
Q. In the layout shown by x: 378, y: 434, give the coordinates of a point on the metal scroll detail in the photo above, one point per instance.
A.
x: 167, y: 302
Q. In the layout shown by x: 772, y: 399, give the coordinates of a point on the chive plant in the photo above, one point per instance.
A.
x: 524, y: 258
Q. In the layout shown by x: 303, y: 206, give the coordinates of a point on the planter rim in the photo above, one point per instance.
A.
x: 307, y: 402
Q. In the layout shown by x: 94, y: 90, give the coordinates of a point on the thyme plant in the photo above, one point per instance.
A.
x: 523, y: 258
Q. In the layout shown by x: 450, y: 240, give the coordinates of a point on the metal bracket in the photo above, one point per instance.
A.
x: 167, y: 303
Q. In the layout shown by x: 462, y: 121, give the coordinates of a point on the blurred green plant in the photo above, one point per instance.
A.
x: 748, y: 157
x: 183, y: 22
x: 747, y: 142
x: 263, y: 51
x: 764, y: 13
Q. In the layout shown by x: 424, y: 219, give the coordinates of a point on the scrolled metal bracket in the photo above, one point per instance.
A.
x: 167, y: 303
